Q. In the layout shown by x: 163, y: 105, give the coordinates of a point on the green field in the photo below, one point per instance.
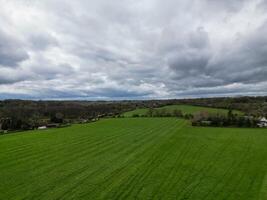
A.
x: 134, y: 158
x: 186, y: 109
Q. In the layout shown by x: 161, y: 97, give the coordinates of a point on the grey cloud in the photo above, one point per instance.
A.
x: 228, y: 5
x: 262, y: 5
x: 117, y: 93
x: 245, y: 62
x: 12, y: 51
x: 199, y: 39
x: 11, y: 75
x: 129, y: 49
x: 51, y: 71
x: 41, y: 41
x: 192, y: 56
x: 16, y: 96
x: 228, y: 90
x: 189, y: 63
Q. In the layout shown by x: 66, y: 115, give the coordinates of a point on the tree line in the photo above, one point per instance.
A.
x: 26, y: 114
x: 219, y: 120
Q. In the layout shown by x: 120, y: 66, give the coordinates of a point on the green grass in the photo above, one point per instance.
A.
x: 186, y: 109
x: 134, y: 158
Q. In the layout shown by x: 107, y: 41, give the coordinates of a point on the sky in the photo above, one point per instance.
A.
x: 132, y: 49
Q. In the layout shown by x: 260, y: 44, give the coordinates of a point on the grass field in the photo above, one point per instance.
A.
x: 134, y: 158
x: 186, y: 109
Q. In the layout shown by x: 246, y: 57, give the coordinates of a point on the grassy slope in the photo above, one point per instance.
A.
x: 186, y: 109
x: 138, y: 158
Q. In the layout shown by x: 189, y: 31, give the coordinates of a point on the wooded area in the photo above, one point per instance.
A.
x: 25, y: 115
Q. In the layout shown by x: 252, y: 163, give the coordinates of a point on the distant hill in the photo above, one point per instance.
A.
x: 186, y: 109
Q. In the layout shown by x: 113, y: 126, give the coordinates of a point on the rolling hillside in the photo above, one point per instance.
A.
x: 186, y: 109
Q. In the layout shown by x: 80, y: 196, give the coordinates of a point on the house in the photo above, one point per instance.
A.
x: 206, y: 123
x: 262, y: 122
x: 52, y: 125
x: 248, y: 117
x: 94, y: 119
x: 82, y: 121
x: 100, y: 116
x: 42, y: 127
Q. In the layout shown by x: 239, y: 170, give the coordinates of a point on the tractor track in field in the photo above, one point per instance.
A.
x: 75, y: 173
x: 185, y: 192
x: 78, y: 142
x: 120, y: 172
x: 178, y: 163
x: 26, y: 147
x: 149, y: 169
x: 182, y: 153
x: 139, y: 176
x: 227, y: 171
x: 183, y: 150
x: 134, y: 158
x: 70, y: 159
x: 133, y: 149
x: 243, y: 159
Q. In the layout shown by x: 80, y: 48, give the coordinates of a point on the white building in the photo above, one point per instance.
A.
x: 42, y: 127
x: 262, y: 122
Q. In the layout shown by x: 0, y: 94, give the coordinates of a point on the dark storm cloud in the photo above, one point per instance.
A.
x: 132, y: 49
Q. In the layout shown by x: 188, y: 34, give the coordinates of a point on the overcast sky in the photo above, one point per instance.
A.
x: 132, y: 49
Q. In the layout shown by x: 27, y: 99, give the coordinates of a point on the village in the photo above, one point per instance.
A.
x: 44, y: 124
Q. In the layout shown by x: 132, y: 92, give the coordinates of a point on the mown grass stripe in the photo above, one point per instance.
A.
x: 142, y: 158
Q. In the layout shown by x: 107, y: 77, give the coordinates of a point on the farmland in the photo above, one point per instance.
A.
x: 134, y: 158
x: 186, y: 109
